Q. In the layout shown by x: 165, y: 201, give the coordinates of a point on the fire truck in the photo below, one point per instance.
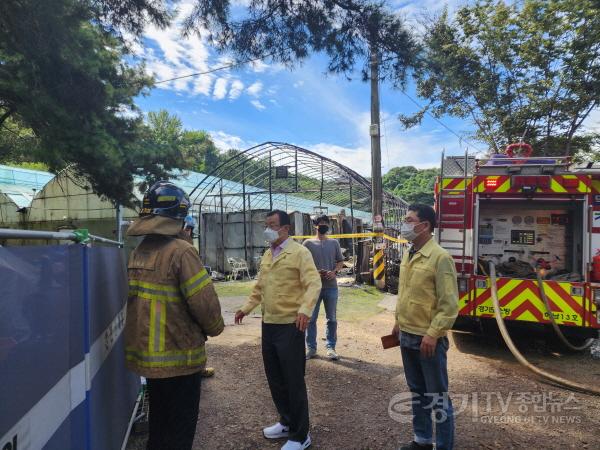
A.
x: 526, y: 215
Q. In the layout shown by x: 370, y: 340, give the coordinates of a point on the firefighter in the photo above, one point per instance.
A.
x: 171, y: 309
x: 187, y: 232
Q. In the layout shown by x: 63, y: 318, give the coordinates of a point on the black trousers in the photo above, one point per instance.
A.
x: 174, y: 404
x: 285, y: 362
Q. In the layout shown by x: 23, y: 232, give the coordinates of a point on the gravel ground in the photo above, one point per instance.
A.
x: 499, y: 403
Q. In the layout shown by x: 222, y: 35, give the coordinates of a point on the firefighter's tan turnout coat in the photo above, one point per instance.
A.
x: 172, y: 305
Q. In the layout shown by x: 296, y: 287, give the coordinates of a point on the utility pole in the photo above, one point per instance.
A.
x: 375, y: 138
x: 376, y: 188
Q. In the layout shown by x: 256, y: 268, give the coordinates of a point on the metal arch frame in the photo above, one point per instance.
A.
x: 262, y: 149
x: 333, y: 177
x: 269, y: 146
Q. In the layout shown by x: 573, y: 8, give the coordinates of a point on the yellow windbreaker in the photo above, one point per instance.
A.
x: 428, y: 292
x: 287, y: 285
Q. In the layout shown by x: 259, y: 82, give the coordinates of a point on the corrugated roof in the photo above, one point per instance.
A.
x: 20, y: 195
x: 16, y: 176
x: 21, y: 185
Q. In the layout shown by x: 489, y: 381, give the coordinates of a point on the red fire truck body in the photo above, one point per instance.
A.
x: 523, y: 214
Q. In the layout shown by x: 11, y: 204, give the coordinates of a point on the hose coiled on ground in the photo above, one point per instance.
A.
x: 517, y: 354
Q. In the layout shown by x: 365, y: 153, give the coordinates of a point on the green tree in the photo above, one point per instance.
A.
x: 18, y: 144
x: 177, y: 147
x: 288, y: 31
x: 411, y: 184
x: 200, y: 151
x: 526, y: 70
x: 63, y: 79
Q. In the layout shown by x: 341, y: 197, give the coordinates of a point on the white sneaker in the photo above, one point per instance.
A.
x: 295, y: 445
x: 332, y: 355
x: 276, y: 431
x: 311, y: 353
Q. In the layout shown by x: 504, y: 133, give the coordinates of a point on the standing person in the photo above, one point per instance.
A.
x: 426, y: 309
x: 287, y: 289
x: 172, y: 307
x: 328, y: 258
x: 187, y: 233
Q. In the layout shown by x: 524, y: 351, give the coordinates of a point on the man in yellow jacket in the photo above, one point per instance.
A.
x: 171, y: 309
x: 427, y: 308
x: 287, y: 289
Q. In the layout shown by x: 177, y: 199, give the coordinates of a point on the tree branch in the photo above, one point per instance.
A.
x: 6, y: 115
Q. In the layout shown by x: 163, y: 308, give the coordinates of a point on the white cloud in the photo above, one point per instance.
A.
x: 259, y: 66
x: 257, y: 104
x: 255, y: 88
x: 236, y: 89
x: 299, y: 84
x: 220, y: 90
x: 224, y: 141
x: 167, y: 54
x: 592, y: 122
x: 357, y: 158
x: 202, y: 85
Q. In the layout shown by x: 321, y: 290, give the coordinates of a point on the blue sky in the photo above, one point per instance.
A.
x: 266, y: 102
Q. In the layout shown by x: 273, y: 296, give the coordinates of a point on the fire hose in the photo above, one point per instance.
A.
x: 517, y: 354
x: 559, y: 333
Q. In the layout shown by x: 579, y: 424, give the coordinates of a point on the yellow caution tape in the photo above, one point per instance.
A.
x: 357, y: 235
x: 393, y: 239
x: 341, y: 236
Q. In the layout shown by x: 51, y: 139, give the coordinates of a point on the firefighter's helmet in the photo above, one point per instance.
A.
x: 165, y: 199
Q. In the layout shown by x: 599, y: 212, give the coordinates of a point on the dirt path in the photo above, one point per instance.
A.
x: 350, y: 399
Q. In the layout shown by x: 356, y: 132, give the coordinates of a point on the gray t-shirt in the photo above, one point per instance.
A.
x: 326, y: 254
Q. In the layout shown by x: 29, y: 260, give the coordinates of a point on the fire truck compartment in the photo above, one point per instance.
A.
x: 546, y: 234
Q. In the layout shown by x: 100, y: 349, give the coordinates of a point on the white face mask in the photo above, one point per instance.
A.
x: 270, y: 235
x: 407, y: 230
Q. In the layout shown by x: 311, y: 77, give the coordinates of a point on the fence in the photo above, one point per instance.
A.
x: 63, y: 383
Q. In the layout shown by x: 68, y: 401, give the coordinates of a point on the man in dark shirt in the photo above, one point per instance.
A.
x: 328, y: 258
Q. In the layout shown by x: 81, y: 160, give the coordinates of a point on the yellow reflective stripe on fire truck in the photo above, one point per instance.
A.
x: 504, y: 187
x: 195, y: 283
x: 520, y: 300
x: 555, y: 186
x: 173, y: 358
x: 459, y: 186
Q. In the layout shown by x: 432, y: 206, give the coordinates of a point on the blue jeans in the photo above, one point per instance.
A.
x: 427, y: 379
x: 329, y: 296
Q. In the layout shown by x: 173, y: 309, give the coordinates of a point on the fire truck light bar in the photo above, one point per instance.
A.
x: 491, y: 182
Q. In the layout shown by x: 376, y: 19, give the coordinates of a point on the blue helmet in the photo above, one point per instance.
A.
x: 189, y: 222
x: 165, y: 199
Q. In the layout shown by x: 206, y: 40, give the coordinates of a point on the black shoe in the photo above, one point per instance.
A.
x: 414, y: 446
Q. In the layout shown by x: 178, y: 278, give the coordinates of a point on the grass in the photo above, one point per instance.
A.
x: 354, y: 304
x: 234, y: 288
x: 358, y: 303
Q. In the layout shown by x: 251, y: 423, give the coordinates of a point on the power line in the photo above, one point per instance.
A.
x: 239, y: 63
x: 216, y: 69
x: 461, y: 138
x: 387, y: 148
